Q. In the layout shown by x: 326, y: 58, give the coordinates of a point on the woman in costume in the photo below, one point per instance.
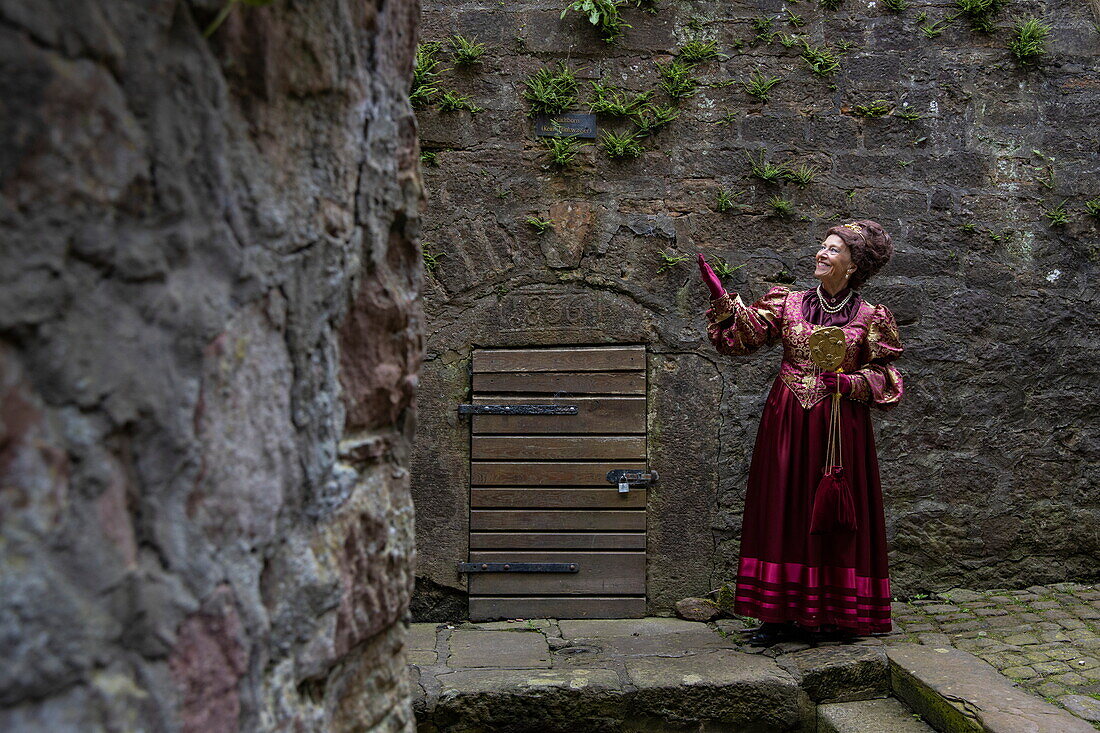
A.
x: 797, y: 582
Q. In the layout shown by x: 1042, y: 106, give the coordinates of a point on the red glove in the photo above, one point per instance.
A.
x: 714, y: 285
x: 832, y: 380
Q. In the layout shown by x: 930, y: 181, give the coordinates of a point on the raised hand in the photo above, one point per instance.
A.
x: 714, y: 285
x: 833, y: 381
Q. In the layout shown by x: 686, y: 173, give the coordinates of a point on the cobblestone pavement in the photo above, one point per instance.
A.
x: 1046, y: 637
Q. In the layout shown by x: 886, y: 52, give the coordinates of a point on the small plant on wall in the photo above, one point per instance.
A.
x: 1028, y: 41
x: 669, y: 260
x: 758, y: 85
x: 623, y: 146
x: 466, y: 52
x: 723, y: 269
x: 765, y: 171
x: 877, y: 108
x: 541, y: 226
x: 603, y: 14
x: 905, y: 113
x: 980, y: 13
x: 561, y: 151
x: 821, y: 60
x: 677, y: 79
x: 696, y: 52
x: 550, y: 92
x: 762, y: 28
x: 652, y: 117
x: 1092, y: 207
x: 454, y: 102
x: 431, y: 259
x: 1058, y: 216
x: 616, y: 102
x: 780, y: 206
x: 425, y: 72
x: 802, y: 175
x: 724, y: 199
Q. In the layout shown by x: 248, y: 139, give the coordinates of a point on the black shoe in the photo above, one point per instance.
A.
x: 767, y: 634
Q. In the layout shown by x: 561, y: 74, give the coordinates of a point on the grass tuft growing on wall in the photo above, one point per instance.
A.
x: 561, y: 152
x: 455, y: 102
x: 764, y: 170
x: 820, y: 59
x: 677, y: 80
x: 425, y: 71
x: 1028, y: 41
x: 550, y: 92
x: 652, y: 117
x: 622, y: 146
x: 759, y: 84
x: 465, y: 51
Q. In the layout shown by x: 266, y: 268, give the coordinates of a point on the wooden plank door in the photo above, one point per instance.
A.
x: 538, y: 487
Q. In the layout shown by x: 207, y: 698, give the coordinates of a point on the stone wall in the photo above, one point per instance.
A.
x: 209, y: 340
x: 989, y: 467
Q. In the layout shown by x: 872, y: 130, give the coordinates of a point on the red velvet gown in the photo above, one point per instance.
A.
x: 784, y: 572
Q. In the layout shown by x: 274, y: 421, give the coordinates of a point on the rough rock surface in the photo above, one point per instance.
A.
x: 696, y: 609
x: 988, y: 467
x: 209, y: 342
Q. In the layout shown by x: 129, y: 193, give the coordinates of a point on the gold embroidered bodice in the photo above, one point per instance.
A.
x: 871, y: 338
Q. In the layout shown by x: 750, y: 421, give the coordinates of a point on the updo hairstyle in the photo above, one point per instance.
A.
x: 870, y: 247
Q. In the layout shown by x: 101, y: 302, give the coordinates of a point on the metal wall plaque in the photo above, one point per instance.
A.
x: 569, y: 124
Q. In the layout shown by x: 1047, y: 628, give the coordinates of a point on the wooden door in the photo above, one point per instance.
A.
x: 538, y: 486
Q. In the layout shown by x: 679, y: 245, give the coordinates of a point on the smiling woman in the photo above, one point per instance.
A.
x: 790, y: 577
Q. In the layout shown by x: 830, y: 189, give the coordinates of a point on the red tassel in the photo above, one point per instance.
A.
x: 834, y: 509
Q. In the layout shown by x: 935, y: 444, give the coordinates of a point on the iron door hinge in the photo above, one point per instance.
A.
x: 517, y: 409
x: 518, y: 567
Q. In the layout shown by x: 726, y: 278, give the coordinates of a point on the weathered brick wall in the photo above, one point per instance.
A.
x: 988, y: 469
x: 209, y: 340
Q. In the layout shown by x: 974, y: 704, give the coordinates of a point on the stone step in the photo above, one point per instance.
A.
x: 956, y: 691
x: 884, y: 715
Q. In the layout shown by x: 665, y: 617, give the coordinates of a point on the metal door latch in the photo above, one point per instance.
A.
x: 626, y: 478
x: 518, y: 567
x: 517, y: 409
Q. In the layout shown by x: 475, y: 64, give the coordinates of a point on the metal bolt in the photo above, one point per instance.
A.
x: 484, y: 566
x: 507, y: 566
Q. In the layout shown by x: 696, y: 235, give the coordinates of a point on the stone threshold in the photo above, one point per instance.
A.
x: 657, y: 674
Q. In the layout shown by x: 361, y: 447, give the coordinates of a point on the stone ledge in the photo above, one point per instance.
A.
x: 956, y: 691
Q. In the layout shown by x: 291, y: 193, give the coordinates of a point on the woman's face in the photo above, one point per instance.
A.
x: 833, y: 261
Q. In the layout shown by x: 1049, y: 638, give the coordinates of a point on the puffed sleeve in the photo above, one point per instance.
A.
x: 878, y: 381
x: 737, y: 329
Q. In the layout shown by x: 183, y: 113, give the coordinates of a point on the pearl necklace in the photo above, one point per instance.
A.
x: 832, y: 308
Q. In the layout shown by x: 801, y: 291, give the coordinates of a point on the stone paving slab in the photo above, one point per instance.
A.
x: 422, y: 637
x: 956, y: 691
x: 841, y: 673
x: 1056, y: 660
x: 727, y: 687
x: 665, y: 637
x: 499, y: 649
x: 1018, y: 640
x: 885, y: 715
